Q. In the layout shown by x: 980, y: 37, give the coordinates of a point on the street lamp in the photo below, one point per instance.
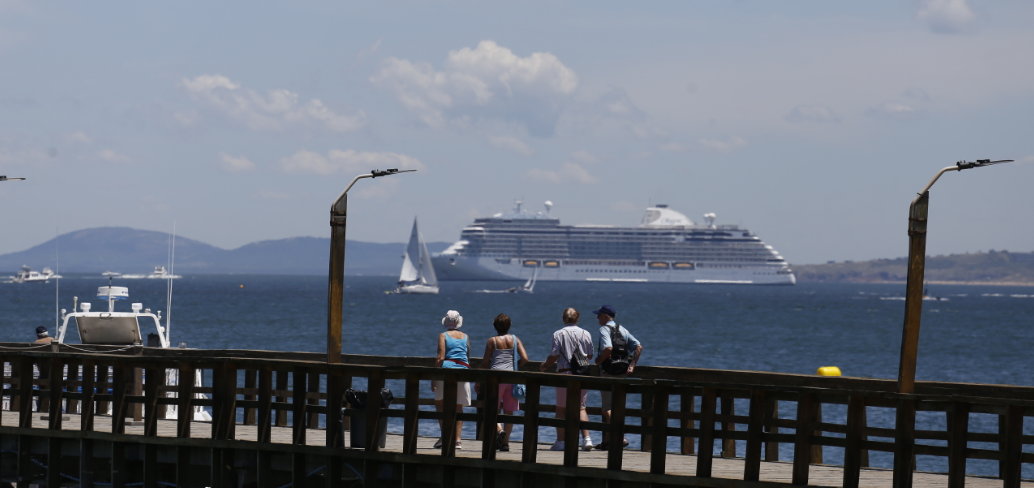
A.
x: 338, y: 216
x: 917, y: 213
x: 4, y: 178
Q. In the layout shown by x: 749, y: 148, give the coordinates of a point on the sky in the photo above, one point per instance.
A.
x: 811, y: 123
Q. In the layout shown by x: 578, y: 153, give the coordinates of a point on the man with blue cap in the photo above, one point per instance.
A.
x: 615, y: 360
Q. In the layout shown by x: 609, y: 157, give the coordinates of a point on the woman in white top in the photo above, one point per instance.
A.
x: 499, y: 355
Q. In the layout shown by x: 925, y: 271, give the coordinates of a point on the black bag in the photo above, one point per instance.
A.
x: 579, y: 363
x: 619, y: 360
x: 357, y: 399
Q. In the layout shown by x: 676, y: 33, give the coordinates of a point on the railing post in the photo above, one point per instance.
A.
x: 816, y: 449
x: 56, y: 387
x: 373, y: 410
x: 281, y: 386
x: 264, y: 422
x: 659, y: 439
x: 572, y: 419
x: 25, y: 392
x: 184, y: 415
x: 314, y: 387
x: 618, y: 397
x: 249, y: 383
x: 1013, y: 452
x: 449, y: 415
x: 686, y: 407
x: 119, y: 408
x: 958, y: 428
x: 153, y: 378
x: 755, y: 425
x: 728, y: 425
x: 411, y: 427
x: 530, y: 449
x: 802, y: 444
x: 298, y: 402
x: 905, y: 442
x: 705, y: 454
x: 771, y: 415
x: 87, y: 412
x: 489, y: 420
x: 855, y: 437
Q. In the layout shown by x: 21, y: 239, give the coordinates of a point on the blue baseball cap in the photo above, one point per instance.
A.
x: 607, y: 309
x: 41, y: 330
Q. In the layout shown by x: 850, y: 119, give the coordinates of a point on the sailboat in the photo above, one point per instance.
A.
x: 417, y: 275
x: 527, y: 287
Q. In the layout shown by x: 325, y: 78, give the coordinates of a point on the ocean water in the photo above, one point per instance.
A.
x: 978, y: 334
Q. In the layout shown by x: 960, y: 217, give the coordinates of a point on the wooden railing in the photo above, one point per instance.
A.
x: 298, y: 390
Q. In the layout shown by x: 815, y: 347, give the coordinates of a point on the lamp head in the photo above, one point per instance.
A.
x: 979, y: 163
x: 392, y: 171
x: 4, y: 178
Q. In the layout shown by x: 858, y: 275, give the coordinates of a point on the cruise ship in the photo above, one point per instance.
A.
x: 666, y: 247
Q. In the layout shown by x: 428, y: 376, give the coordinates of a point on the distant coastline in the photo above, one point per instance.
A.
x: 993, y: 268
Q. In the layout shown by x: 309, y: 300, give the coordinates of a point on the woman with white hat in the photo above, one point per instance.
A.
x: 452, y: 353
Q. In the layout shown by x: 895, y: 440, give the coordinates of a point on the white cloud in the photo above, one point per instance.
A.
x: 347, y: 161
x: 231, y: 164
x: 79, y: 137
x: 275, y: 111
x: 569, y: 172
x: 895, y: 111
x: 512, y: 144
x: 584, y: 156
x: 113, y: 157
x: 187, y: 118
x: 725, y: 145
x: 948, y: 16
x: 812, y: 113
x: 672, y: 147
x: 917, y: 94
x: 488, y: 81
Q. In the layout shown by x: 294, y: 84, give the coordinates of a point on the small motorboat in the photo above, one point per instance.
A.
x: 27, y: 275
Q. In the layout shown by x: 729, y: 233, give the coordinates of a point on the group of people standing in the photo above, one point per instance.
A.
x: 617, y: 353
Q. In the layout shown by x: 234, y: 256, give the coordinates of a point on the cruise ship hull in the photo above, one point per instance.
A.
x: 450, y: 268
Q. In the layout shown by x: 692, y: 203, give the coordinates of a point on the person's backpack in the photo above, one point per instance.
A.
x: 579, y: 363
x: 619, y: 360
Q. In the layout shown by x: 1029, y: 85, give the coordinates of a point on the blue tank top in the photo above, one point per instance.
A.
x: 455, y: 349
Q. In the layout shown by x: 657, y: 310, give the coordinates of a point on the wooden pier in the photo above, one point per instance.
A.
x: 276, y: 422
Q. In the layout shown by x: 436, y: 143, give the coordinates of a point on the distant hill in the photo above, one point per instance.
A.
x: 999, y: 267
x: 130, y: 250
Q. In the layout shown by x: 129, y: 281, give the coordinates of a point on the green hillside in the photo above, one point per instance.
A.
x: 991, y: 267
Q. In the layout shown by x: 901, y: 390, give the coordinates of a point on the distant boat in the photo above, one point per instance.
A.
x: 160, y: 273
x: 114, y: 274
x: 27, y: 275
x: 527, y: 287
x: 417, y: 276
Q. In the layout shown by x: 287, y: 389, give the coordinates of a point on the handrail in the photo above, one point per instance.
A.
x: 277, y: 389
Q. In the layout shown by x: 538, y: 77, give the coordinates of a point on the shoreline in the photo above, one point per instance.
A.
x: 927, y: 282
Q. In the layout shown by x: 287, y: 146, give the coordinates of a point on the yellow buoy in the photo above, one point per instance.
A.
x: 829, y: 371
x: 242, y: 286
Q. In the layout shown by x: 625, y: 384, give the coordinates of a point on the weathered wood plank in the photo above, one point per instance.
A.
x: 752, y: 468
x: 705, y: 454
x: 958, y: 426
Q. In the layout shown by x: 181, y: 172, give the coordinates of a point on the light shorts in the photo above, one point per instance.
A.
x: 605, y: 394
x: 561, y: 397
x: 462, y: 392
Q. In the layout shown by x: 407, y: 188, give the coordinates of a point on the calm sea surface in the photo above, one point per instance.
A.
x: 979, y: 334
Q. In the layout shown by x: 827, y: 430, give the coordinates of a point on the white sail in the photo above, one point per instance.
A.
x: 410, y: 272
x: 426, y: 268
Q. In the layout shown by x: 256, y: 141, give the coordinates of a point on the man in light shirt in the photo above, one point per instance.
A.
x: 565, y: 341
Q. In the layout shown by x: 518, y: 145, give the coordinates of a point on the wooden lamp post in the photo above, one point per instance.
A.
x: 336, y: 288
x: 917, y: 213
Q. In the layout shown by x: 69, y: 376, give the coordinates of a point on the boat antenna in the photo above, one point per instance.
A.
x: 57, y: 282
x: 168, y: 298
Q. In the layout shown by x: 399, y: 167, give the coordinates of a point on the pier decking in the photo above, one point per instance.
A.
x: 268, y: 408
